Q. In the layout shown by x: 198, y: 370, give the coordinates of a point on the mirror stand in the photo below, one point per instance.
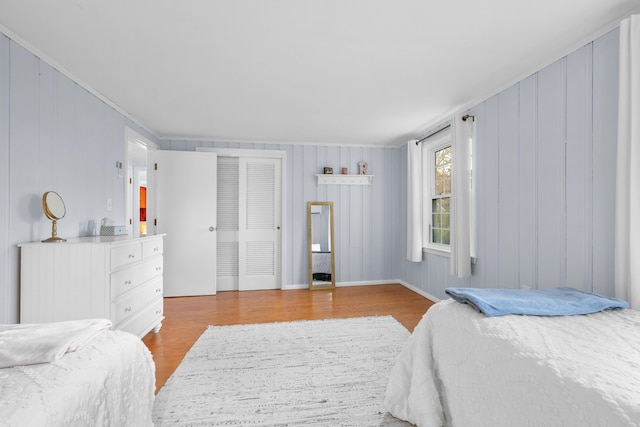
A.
x: 321, y: 245
x: 54, y: 233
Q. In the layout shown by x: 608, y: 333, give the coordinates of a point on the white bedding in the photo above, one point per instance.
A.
x: 461, y: 368
x: 28, y: 344
x: 108, y: 382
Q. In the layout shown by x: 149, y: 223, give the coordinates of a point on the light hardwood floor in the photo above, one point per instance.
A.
x: 186, y: 318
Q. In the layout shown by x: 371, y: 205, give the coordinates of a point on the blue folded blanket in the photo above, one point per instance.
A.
x: 550, y: 302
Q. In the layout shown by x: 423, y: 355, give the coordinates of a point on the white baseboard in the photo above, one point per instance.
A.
x: 340, y: 284
x: 418, y: 291
x: 367, y: 283
x: 293, y: 287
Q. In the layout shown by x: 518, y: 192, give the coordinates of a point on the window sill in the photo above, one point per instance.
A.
x: 439, y: 252
x: 442, y: 253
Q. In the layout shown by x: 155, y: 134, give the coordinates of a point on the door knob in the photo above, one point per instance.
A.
x: 212, y: 229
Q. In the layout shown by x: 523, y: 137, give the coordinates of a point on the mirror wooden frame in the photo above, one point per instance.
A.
x: 317, y: 284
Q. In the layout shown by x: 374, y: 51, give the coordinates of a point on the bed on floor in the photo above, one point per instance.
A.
x: 461, y: 367
x: 76, y: 373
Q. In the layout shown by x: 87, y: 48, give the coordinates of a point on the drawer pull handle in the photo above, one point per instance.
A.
x: 159, y: 290
x: 158, y: 268
x: 158, y: 311
x: 127, y: 310
x: 127, y: 282
x: 132, y: 256
x: 156, y: 249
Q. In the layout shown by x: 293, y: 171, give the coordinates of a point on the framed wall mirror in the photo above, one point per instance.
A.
x: 321, y: 248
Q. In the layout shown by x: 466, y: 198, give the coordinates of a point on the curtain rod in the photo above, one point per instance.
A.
x: 464, y: 119
x: 432, y: 134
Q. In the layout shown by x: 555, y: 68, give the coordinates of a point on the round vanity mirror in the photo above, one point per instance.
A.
x: 53, y: 205
x: 54, y: 209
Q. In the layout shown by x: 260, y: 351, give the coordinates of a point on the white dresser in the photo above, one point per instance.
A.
x: 117, y: 278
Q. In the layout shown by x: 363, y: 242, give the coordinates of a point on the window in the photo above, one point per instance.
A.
x: 437, y: 170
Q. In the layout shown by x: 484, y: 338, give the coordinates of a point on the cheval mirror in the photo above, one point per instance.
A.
x: 321, y: 250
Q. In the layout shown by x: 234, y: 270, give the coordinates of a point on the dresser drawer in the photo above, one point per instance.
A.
x: 125, y: 255
x: 127, y: 279
x: 148, y: 318
x: 133, y: 301
x: 151, y: 248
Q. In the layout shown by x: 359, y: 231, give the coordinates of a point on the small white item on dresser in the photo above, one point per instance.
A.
x: 113, y: 230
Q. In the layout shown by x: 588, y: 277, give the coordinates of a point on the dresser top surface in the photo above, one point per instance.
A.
x: 105, y: 240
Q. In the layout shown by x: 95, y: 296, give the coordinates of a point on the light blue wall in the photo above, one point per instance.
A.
x: 54, y: 135
x: 365, y: 221
x: 544, y: 207
x: 546, y: 158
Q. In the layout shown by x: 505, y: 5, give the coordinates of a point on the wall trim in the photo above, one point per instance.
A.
x: 62, y: 70
x: 557, y: 55
x: 261, y: 142
x: 367, y: 283
x: 419, y: 291
x: 341, y: 284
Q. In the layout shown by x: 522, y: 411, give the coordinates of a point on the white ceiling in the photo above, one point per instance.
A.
x: 364, y: 72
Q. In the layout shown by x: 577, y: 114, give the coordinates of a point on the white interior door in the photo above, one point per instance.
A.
x: 185, y: 188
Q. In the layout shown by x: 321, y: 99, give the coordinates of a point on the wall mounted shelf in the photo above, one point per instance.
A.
x: 338, y: 179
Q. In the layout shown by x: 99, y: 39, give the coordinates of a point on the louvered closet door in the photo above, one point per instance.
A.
x: 228, y: 219
x: 259, y: 236
x: 249, y: 219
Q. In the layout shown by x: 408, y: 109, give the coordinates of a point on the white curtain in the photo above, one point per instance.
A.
x: 463, y: 197
x: 627, y: 235
x: 414, y: 201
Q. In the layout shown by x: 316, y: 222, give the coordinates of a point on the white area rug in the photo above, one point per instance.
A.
x: 322, y: 373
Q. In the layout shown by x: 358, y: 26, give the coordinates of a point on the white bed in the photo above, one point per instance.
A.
x: 461, y: 368
x: 110, y: 381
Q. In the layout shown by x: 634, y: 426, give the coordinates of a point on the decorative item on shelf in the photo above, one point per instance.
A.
x: 328, y: 170
x: 54, y: 209
x: 344, y: 171
x: 363, y: 168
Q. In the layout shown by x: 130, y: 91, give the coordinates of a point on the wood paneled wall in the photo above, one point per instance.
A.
x: 54, y: 135
x: 8, y: 291
x: 546, y: 159
x: 546, y: 179
x: 364, y: 220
